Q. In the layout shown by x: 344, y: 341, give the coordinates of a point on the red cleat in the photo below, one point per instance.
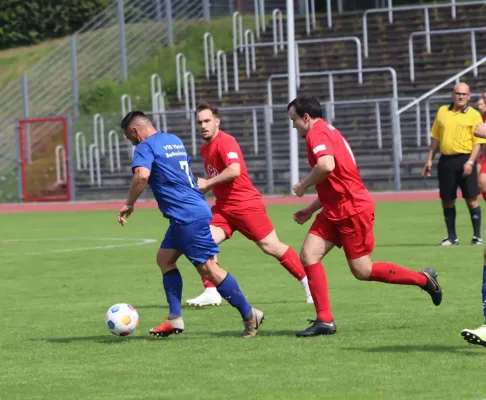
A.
x: 168, y: 327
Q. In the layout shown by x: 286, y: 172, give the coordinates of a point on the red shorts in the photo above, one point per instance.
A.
x: 253, y: 223
x: 353, y: 234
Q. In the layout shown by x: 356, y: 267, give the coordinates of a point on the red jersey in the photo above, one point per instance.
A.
x: 222, y: 151
x: 343, y: 193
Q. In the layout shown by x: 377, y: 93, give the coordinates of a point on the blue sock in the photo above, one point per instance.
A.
x: 230, y: 291
x: 172, y: 282
x: 484, y: 293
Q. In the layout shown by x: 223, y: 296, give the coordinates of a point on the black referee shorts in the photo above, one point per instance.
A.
x: 450, y: 170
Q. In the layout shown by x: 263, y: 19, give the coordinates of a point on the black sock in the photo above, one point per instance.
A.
x: 450, y: 220
x: 476, y: 220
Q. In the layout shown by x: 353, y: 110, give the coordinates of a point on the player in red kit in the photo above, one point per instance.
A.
x: 481, y: 161
x: 346, y: 219
x: 239, y: 205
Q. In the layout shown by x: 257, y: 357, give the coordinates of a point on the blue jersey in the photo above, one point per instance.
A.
x: 171, y: 178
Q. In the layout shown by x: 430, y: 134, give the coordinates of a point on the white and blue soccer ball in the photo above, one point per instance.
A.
x: 121, y: 319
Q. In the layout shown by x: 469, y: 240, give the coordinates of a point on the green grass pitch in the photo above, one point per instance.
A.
x: 60, y: 272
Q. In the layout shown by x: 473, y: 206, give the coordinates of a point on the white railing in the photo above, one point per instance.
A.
x: 126, y: 104
x: 390, y: 10
x: 310, y: 15
x: 277, y: 28
x: 94, y: 165
x: 181, y: 69
x: 190, y: 104
x: 359, y: 59
x: 249, y: 48
x: 158, y: 101
x: 237, y: 30
x: 222, y: 73
x: 443, y: 32
x: 99, y: 132
x: 331, y: 86
x: 115, y: 159
x: 255, y: 130
x: 209, y: 64
x: 259, y: 17
x: 61, y: 168
x: 81, y: 158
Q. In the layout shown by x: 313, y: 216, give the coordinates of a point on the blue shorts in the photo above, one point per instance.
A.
x: 193, y: 239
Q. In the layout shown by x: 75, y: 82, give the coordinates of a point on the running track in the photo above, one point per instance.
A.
x: 269, y: 200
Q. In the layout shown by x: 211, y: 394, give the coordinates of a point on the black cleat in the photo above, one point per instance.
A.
x: 318, y: 328
x: 449, y: 242
x: 476, y: 240
x: 432, y: 286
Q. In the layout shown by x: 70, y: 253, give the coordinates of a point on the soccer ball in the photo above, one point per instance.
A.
x: 121, y: 319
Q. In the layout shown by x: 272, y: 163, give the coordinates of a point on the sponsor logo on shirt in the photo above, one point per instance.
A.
x: 232, y: 155
x: 212, y: 172
x: 319, y: 148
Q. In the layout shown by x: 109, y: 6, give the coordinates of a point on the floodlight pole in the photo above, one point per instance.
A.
x: 294, y: 142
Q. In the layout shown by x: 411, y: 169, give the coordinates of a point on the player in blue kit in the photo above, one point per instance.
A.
x: 160, y: 159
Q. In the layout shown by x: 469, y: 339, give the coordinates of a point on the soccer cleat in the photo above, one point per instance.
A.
x: 432, y: 286
x: 475, y: 336
x: 210, y: 297
x: 309, y: 299
x: 252, y: 326
x: 476, y: 240
x: 449, y: 242
x: 318, y: 328
x: 168, y: 327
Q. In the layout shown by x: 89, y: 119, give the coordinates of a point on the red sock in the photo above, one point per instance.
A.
x: 291, y: 262
x: 318, y: 287
x: 394, y: 274
x: 484, y: 195
x: 206, y: 283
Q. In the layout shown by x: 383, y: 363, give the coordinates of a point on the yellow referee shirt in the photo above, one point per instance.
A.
x: 455, y: 130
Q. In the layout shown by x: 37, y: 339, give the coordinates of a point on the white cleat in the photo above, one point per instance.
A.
x: 475, y: 336
x: 210, y: 297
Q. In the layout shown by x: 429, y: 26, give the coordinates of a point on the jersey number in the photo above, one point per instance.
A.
x: 350, y: 151
x: 185, y: 166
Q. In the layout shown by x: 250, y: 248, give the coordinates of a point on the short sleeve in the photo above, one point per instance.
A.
x: 320, y: 144
x: 230, y: 151
x: 435, y: 132
x: 143, y: 156
x: 478, y: 119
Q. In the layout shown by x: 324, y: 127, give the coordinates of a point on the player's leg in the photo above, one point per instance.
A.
x: 447, y: 173
x: 255, y: 224
x: 200, y: 250
x: 358, y: 243
x: 220, y: 231
x: 482, y: 179
x: 320, y: 240
x: 172, y: 282
x: 470, y: 191
x: 478, y: 336
x: 287, y: 257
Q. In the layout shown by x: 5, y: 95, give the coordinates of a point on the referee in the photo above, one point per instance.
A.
x: 453, y: 134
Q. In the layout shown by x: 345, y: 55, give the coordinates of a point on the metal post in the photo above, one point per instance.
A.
x: 396, y: 144
x: 123, y: 45
x: 378, y: 125
x: 70, y: 159
x: 427, y: 30
x: 158, y: 10
x: 268, y: 151
x: 255, y: 130
x: 74, y: 77
x: 207, y: 15
x: 390, y: 11
x: 453, y: 9
x: 25, y: 95
x: 20, y: 185
x: 329, y: 14
x: 292, y: 94
x: 340, y: 6
x: 168, y: 17
x: 473, y: 51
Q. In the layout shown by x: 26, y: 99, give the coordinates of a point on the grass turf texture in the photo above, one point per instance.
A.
x: 392, y: 343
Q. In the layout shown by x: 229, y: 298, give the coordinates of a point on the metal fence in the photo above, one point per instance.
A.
x: 110, y: 46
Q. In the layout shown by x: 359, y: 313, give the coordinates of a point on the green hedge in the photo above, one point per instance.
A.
x: 26, y: 22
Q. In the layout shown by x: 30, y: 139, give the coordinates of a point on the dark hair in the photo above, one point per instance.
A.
x: 130, y: 117
x: 306, y: 105
x: 207, y: 106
